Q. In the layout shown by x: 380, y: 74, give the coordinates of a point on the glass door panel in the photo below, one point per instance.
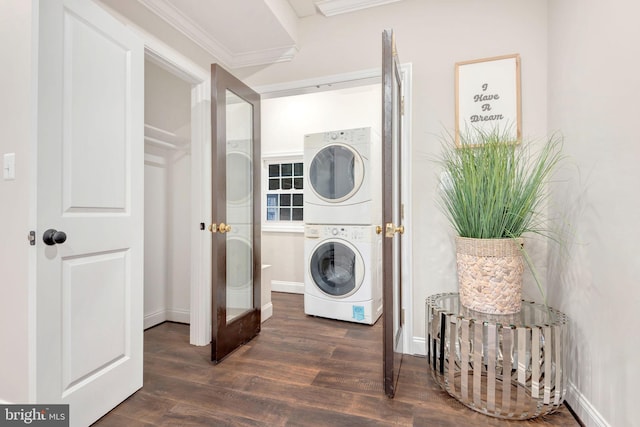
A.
x: 239, y: 166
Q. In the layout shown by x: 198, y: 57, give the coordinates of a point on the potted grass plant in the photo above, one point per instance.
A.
x: 493, y: 193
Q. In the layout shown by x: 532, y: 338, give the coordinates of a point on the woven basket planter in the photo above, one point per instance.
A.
x: 490, y: 274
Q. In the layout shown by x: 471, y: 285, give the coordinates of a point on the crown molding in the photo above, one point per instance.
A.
x: 174, y: 17
x: 265, y: 56
x: 190, y: 29
x: 337, y: 7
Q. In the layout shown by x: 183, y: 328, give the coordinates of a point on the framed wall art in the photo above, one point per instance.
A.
x: 487, y: 95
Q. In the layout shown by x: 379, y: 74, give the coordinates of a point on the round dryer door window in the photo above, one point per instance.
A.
x: 238, y: 180
x: 239, y: 256
x: 336, y: 173
x: 336, y: 268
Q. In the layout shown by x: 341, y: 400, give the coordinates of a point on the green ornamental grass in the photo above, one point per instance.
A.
x: 492, y: 188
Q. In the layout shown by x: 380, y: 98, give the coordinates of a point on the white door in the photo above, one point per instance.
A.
x: 90, y: 187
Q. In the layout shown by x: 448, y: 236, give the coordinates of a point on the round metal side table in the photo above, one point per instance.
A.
x: 507, y: 366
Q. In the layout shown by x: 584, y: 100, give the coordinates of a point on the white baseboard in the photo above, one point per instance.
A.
x: 180, y: 316
x: 419, y: 346
x: 289, y: 287
x: 584, y: 410
x: 266, y: 311
x: 154, y: 319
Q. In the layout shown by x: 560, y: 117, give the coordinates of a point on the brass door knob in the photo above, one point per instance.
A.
x: 219, y: 228
x: 224, y: 228
x: 391, y: 229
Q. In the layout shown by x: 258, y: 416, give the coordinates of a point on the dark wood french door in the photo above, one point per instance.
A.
x: 236, y: 265
x: 393, y: 318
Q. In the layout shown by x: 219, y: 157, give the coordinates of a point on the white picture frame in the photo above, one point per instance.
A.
x: 487, y: 93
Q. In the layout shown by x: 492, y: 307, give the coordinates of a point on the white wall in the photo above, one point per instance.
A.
x: 285, y: 122
x: 432, y: 36
x: 167, y: 101
x: 167, y: 197
x: 593, y: 100
x: 179, y: 250
x: 155, y: 248
x: 16, y: 122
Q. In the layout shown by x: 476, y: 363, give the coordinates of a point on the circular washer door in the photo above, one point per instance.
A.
x: 336, y: 173
x: 336, y: 268
x: 239, y: 257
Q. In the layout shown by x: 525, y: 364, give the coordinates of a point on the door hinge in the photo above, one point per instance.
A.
x: 32, y: 238
x: 402, y: 106
x: 402, y: 317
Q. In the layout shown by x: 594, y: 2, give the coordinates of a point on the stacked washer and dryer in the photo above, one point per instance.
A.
x: 240, y: 215
x: 342, y: 207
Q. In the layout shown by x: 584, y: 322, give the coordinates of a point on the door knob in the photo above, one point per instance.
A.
x: 219, y: 228
x: 51, y: 237
x: 223, y: 228
x: 391, y: 229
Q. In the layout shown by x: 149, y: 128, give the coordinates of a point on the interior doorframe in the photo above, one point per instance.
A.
x: 411, y: 345
x: 200, y: 242
x: 201, y: 200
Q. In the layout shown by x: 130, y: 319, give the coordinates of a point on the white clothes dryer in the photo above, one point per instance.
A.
x: 343, y: 180
x: 239, y: 185
x: 343, y: 272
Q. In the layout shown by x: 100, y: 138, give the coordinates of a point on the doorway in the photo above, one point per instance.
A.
x: 167, y: 203
x: 293, y: 109
x: 285, y: 121
x: 200, y: 292
x: 191, y: 153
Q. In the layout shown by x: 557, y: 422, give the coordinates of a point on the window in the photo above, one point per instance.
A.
x: 284, y: 191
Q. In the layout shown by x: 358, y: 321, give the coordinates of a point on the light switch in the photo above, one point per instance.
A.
x: 9, y: 166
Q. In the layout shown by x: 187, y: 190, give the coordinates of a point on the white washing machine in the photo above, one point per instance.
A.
x: 343, y: 180
x: 239, y: 171
x: 343, y: 272
x: 239, y: 267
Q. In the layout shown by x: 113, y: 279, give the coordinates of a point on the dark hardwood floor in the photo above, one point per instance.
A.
x: 300, y: 371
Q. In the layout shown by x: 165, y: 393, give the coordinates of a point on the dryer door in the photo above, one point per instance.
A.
x: 336, y: 268
x: 238, y: 181
x: 336, y: 173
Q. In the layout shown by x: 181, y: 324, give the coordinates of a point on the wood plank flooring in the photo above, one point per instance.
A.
x: 300, y: 371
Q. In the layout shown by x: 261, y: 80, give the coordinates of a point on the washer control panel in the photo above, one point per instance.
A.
x: 353, y: 233
x: 347, y: 136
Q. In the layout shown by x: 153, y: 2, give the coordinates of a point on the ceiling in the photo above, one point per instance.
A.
x: 243, y: 33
